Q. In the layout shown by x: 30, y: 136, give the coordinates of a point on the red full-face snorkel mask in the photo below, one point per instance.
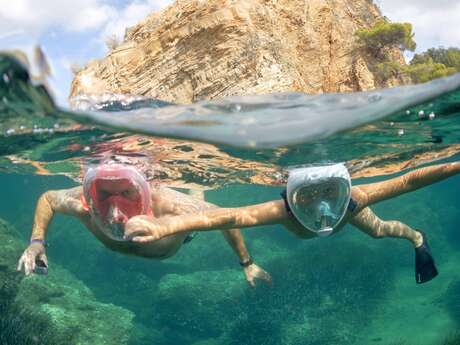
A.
x: 113, y: 193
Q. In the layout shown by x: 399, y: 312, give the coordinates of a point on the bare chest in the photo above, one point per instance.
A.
x: 161, y: 249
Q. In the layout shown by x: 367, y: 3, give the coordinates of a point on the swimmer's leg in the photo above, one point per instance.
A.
x: 368, y: 222
x: 411, y: 181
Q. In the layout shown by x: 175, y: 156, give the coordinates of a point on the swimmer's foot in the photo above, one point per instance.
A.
x: 425, y: 267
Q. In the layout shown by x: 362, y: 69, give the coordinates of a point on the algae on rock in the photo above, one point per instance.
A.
x: 56, y: 309
x: 198, y: 305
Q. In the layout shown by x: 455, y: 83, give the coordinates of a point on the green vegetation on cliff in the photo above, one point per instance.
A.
x: 434, y: 63
x: 449, y: 57
x: 421, y: 73
x: 380, y: 42
x: 384, y: 36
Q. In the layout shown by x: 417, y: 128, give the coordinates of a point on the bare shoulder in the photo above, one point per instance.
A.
x: 67, y: 201
x: 169, y: 201
x: 74, y: 192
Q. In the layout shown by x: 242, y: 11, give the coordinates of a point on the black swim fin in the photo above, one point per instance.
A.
x: 189, y: 237
x: 425, y: 267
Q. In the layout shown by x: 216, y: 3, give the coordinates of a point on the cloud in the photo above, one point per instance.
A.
x: 9, y: 34
x: 91, y: 17
x: 70, y: 32
x: 435, y: 23
x: 129, y: 16
x: 424, y: 5
x: 35, y: 17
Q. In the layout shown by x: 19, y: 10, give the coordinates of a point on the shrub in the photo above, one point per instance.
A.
x: 386, y: 70
x: 449, y: 57
x: 112, y: 42
x: 429, y: 70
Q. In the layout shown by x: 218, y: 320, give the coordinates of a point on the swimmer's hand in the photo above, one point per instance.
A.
x: 34, y: 253
x: 253, y: 272
x: 145, y: 229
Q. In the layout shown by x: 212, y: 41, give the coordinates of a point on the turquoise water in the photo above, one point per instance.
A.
x: 347, y: 289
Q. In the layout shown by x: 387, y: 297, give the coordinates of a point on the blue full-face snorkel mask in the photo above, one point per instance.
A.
x: 319, y: 196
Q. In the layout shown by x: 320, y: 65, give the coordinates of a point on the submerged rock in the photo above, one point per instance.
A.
x: 200, y: 50
x: 56, y: 309
x: 197, y: 306
x: 314, y: 287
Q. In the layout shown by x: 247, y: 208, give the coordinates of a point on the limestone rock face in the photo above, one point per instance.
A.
x: 196, y: 50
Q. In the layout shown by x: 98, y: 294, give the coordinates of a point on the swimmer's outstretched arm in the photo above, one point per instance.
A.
x: 66, y: 201
x: 376, y: 192
x: 147, y: 229
x: 62, y: 201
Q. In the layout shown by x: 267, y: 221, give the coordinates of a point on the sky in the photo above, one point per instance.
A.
x: 73, y: 32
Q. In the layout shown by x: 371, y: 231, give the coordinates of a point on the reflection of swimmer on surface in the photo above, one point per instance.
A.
x: 318, y: 201
x: 112, y: 194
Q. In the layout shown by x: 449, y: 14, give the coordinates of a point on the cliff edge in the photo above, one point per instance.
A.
x: 195, y: 50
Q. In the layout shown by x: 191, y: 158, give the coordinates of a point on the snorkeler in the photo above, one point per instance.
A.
x: 111, y: 195
x: 317, y: 202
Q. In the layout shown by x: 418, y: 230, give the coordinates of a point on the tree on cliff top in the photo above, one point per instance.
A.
x: 387, y: 35
x: 432, y: 64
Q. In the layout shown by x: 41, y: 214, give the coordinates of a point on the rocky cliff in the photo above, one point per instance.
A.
x: 195, y: 50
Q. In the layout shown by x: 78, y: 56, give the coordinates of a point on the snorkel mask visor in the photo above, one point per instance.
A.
x: 113, y: 193
x: 319, y: 196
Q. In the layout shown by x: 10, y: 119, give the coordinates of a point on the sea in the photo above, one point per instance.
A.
x: 346, y: 289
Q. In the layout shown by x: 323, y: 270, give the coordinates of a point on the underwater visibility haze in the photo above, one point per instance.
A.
x: 347, y: 289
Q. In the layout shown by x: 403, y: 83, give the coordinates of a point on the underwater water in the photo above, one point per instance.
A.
x: 346, y: 289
